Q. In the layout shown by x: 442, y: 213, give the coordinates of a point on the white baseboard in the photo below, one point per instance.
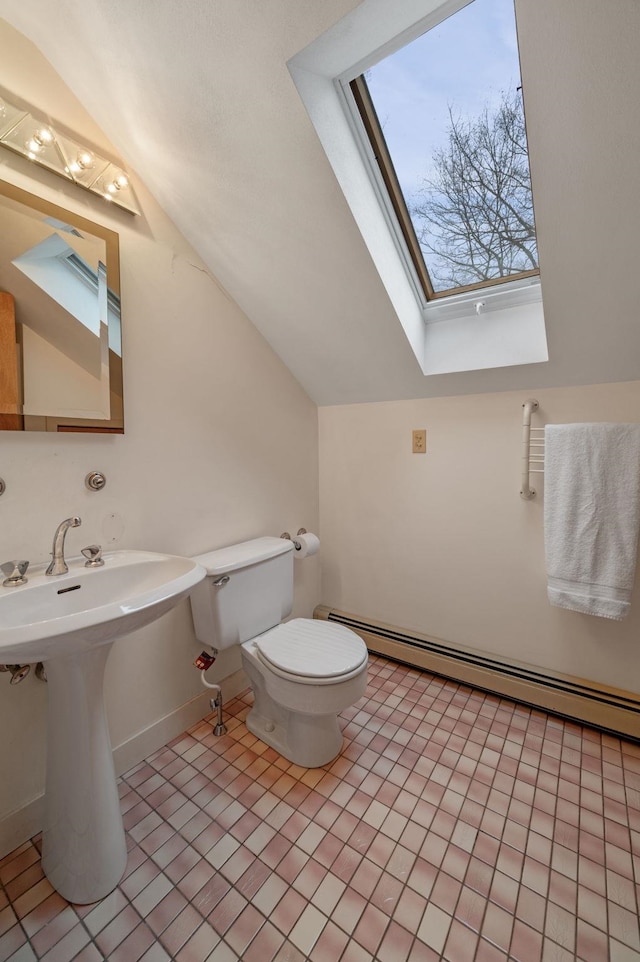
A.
x: 25, y: 822
x: 20, y: 825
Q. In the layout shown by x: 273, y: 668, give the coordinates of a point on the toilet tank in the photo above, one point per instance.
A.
x: 255, y: 591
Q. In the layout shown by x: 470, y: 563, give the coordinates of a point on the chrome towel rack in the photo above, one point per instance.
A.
x: 532, y: 450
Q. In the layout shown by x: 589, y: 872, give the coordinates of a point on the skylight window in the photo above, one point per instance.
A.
x: 445, y: 119
x: 468, y: 325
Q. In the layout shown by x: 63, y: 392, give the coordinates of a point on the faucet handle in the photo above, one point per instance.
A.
x: 15, y: 572
x: 93, y: 554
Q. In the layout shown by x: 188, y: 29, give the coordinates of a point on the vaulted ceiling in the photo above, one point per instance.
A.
x: 197, y: 98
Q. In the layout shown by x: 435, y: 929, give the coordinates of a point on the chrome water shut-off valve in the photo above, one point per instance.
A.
x: 18, y: 672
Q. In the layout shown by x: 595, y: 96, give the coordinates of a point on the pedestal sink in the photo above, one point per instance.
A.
x: 70, y: 622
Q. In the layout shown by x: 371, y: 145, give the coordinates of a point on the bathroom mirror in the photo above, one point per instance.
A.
x: 60, y: 336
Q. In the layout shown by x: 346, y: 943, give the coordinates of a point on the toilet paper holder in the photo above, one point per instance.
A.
x: 305, y: 543
x: 287, y: 537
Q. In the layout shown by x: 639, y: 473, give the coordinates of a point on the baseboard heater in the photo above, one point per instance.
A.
x: 610, y: 709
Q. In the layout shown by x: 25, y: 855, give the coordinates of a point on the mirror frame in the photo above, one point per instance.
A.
x: 115, y: 423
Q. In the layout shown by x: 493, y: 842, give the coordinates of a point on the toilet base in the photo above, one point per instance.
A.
x: 309, y: 741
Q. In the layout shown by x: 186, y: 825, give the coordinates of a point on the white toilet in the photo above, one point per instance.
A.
x: 303, y: 673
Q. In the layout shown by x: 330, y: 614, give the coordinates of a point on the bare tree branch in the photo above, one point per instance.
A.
x: 474, y: 217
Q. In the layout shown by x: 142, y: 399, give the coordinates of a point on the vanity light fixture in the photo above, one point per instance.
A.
x: 26, y: 133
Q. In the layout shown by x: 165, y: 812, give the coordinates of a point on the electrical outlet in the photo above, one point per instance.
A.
x: 420, y: 441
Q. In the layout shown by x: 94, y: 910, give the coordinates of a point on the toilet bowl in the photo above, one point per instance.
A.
x: 303, y: 672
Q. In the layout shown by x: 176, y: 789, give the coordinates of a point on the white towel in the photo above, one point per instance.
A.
x: 591, y: 515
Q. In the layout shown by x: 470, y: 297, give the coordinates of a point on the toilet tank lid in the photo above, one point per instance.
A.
x: 235, y: 556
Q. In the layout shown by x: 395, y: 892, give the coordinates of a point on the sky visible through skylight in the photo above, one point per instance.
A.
x: 466, y: 62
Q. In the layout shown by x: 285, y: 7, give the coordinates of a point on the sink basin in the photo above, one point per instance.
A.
x: 55, y: 615
x: 70, y: 622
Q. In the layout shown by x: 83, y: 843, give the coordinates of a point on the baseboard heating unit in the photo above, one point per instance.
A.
x: 610, y: 709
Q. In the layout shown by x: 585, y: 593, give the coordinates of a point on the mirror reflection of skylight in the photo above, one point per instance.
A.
x: 449, y: 108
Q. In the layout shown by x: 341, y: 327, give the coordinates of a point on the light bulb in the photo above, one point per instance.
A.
x: 119, y: 183
x: 39, y: 140
x: 85, y: 160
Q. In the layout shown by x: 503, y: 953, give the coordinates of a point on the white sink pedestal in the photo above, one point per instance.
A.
x: 70, y: 623
x: 84, y: 851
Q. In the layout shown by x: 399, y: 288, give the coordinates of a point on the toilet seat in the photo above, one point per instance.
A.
x: 312, y: 652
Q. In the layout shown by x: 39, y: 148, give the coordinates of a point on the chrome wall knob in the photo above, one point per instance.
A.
x: 95, y: 481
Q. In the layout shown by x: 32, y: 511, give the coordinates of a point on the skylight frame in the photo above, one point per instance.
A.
x: 363, y: 119
x: 372, y: 141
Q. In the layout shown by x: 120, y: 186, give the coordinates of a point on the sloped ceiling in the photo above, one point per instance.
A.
x: 197, y: 98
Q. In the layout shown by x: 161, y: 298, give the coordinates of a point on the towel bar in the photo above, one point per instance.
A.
x: 532, y: 450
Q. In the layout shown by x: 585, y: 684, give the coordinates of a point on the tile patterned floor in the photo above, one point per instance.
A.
x: 455, y: 826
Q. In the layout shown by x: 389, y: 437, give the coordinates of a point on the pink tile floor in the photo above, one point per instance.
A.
x: 455, y: 826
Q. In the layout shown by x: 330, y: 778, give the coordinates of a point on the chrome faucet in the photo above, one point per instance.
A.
x: 58, y: 565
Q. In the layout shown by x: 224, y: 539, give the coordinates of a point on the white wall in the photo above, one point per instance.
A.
x: 443, y: 544
x: 220, y: 446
